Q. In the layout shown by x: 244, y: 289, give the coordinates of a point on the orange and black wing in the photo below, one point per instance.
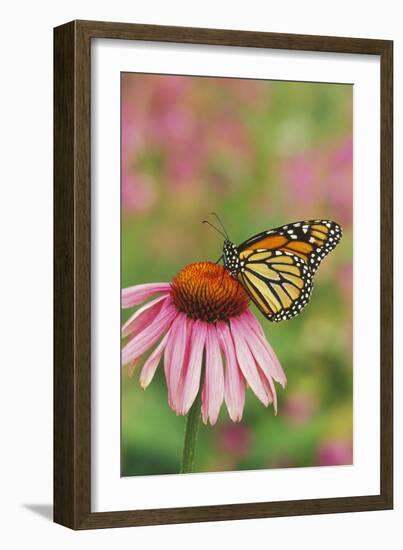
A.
x: 279, y: 283
x: 310, y: 240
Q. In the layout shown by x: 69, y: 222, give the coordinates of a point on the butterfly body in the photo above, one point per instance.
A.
x: 231, y: 258
x: 276, y: 267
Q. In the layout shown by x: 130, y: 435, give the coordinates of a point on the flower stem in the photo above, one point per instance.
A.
x: 191, y: 431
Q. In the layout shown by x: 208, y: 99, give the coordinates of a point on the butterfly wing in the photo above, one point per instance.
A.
x: 279, y: 282
x: 310, y: 240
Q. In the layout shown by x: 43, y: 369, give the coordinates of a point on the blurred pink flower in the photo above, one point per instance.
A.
x: 191, y: 124
x: 228, y: 133
x: 172, y: 125
x: 170, y: 120
x: 300, y: 172
x: 203, y: 311
x: 235, y: 439
x: 167, y: 89
x: 340, y: 186
x: 138, y: 193
x: 322, y: 178
x: 342, y: 155
x: 335, y: 453
x: 184, y: 161
x: 300, y: 407
x: 130, y: 135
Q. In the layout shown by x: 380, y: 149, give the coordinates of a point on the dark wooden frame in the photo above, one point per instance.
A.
x: 72, y: 268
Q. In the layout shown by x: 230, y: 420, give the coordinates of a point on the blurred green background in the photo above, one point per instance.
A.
x: 261, y: 154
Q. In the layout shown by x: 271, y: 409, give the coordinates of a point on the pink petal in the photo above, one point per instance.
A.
x: 276, y: 369
x: 134, y: 295
x: 177, y: 398
x: 262, y: 358
x: 192, y: 376
x: 150, y: 366
x: 270, y: 390
x: 147, y: 338
x: 143, y: 316
x: 174, y: 357
x: 247, y: 363
x: 131, y: 367
x: 234, y: 380
x: 213, y: 390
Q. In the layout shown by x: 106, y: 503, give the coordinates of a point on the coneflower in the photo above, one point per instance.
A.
x: 211, y: 342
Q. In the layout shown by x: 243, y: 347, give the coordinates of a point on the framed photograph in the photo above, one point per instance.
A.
x: 222, y: 274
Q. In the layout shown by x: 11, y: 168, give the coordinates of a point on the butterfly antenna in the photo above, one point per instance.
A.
x: 220, y: 222
x: 216, y: 228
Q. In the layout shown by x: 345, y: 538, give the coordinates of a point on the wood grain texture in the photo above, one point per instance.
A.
x: 387, y: 273
x: 72, y: 272
x: 64, y: 377
x: 72, y: 262
x: 221, y: 37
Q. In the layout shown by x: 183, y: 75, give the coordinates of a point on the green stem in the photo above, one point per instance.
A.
x: 191, y: 431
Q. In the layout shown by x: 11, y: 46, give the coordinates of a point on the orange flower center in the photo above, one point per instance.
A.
x: 207, y: 291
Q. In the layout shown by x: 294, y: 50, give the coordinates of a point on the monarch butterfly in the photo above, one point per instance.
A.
x: 276, y: 267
